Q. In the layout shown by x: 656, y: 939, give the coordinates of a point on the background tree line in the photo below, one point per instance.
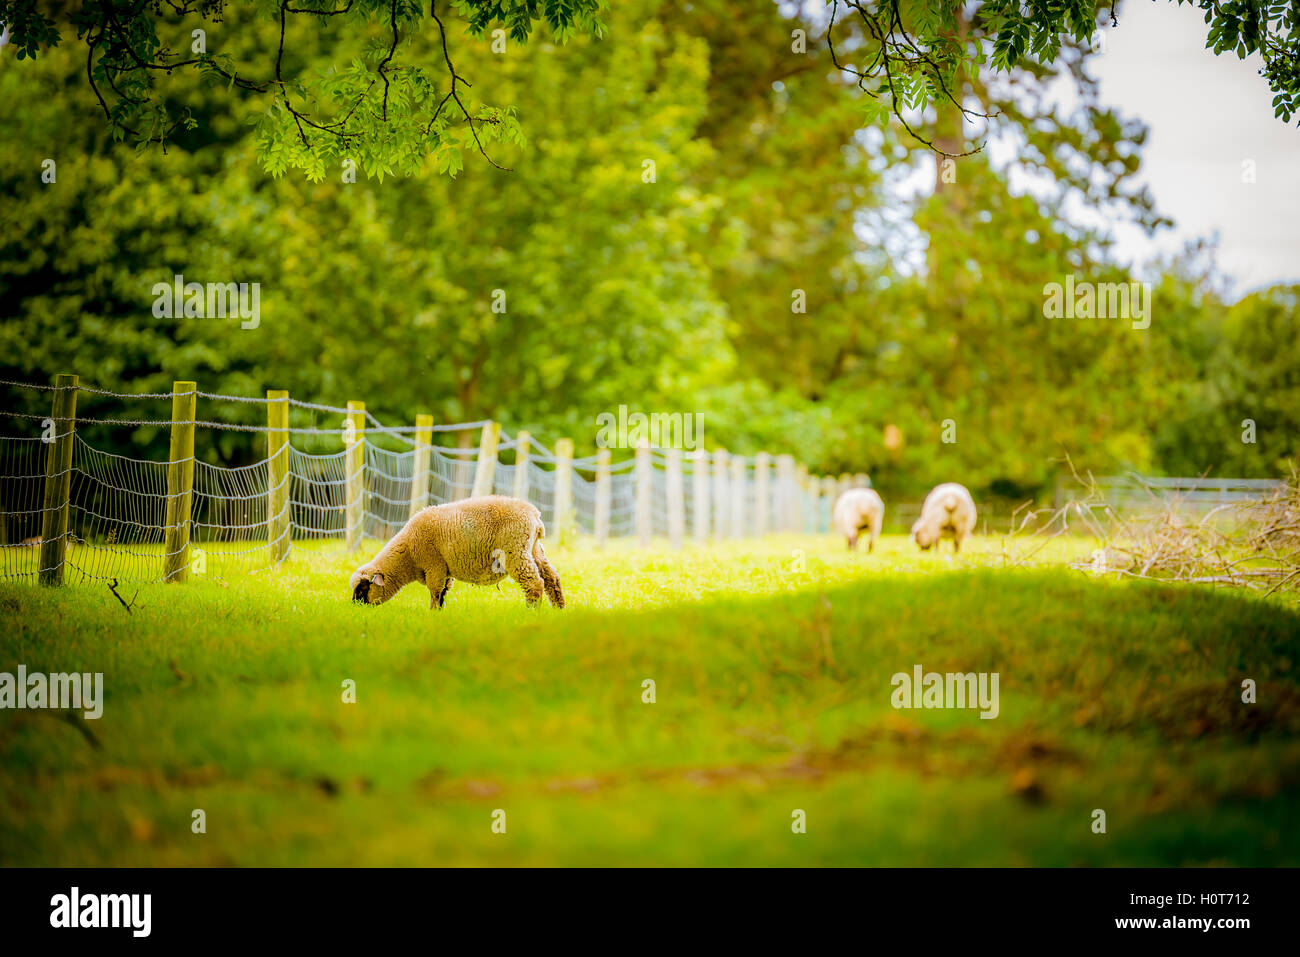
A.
x: 687, y: 178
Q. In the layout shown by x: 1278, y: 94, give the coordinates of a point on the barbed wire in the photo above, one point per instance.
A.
x: 88, y: 389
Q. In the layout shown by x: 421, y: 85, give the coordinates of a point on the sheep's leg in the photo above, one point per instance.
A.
x: 438, y: 595
x: 853, y: 541
x: 550, y: 580
x: 523, y: 569
x: 438, y: 581
x: 871, y: 536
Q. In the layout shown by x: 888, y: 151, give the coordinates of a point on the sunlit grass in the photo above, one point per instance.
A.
x: 771, y: 661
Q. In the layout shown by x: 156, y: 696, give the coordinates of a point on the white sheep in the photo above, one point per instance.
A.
x: 948, y: 510
x: 478, y: 540
x: 858, y: 510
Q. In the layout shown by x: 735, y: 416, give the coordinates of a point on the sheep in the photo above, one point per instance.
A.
x: 948, y: 509
x: 856, y: 510
x: 477, y: 540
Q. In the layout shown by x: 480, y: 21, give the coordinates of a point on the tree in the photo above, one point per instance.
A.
x: 545, y: 295
x: 391, y: 112
x: 952, y: 327
x: 382, y: 291
x: 369, y: 103
x: 1239, y: 414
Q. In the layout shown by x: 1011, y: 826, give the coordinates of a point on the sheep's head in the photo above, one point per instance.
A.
x: 362, y: 581
x: 924, y: 535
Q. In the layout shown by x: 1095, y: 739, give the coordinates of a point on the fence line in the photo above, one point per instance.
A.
x: 69, y: 511
x: 1195, y: 498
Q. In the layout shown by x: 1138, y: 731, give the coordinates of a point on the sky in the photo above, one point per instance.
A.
x: 1207, y: 115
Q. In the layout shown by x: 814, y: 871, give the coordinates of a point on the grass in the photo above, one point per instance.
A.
x: 772, y: 664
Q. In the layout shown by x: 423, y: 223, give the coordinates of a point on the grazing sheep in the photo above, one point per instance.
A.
x: 948, y: 509
x: 858, y: 510
x: 478, y: 540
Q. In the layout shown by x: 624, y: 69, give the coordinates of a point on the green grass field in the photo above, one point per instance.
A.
x: 772, y: 664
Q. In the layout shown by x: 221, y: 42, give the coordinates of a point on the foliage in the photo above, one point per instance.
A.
x: 386, y: 292
x: 579, y: 282
x: 1240, y: 404
x: 369, y: 102
x: 375, y: 101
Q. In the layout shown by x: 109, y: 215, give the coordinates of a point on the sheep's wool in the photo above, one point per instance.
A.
x: 856, y: 510
x: 949, y: 510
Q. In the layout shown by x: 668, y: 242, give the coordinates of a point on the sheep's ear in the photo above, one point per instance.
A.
x: 378, y: 580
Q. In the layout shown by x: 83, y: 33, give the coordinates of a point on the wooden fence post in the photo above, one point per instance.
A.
x: 860, y: 480
x: 700, y: 493
x: 602, y: 496
x: 180, y: 483
x: 420, y: 463
x: 762, y: 496
x: 784, y: 510
x: 58, y: 482
x: 721, y: 504
x: 523, y: 454
x: 818, y: 501
x: 675, y: 492
x: 563, y: 490
x: 485, y: 471
x: 354, y: 440
x: 804, y: 515
x: 778, y: 494
x: 461, y: 481
x: 277, y: 477
x: 792, y: 495
x: 738, y: 490
x: 643, y: 495
x: 796, y: 499
x: 830, y: 490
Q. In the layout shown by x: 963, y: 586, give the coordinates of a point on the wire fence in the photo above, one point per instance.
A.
x: 104, y: 516
x: 70, y: 511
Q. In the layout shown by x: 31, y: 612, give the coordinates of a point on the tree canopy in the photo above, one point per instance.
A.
x: 375, y: 82
x: 369, y: 102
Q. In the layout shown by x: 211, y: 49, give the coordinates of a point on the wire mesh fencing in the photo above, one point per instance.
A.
x: 107, y: 516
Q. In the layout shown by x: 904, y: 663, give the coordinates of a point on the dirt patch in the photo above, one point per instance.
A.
x: 1215, y: 709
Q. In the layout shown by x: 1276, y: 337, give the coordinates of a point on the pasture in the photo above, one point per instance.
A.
x: 771, y: 661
